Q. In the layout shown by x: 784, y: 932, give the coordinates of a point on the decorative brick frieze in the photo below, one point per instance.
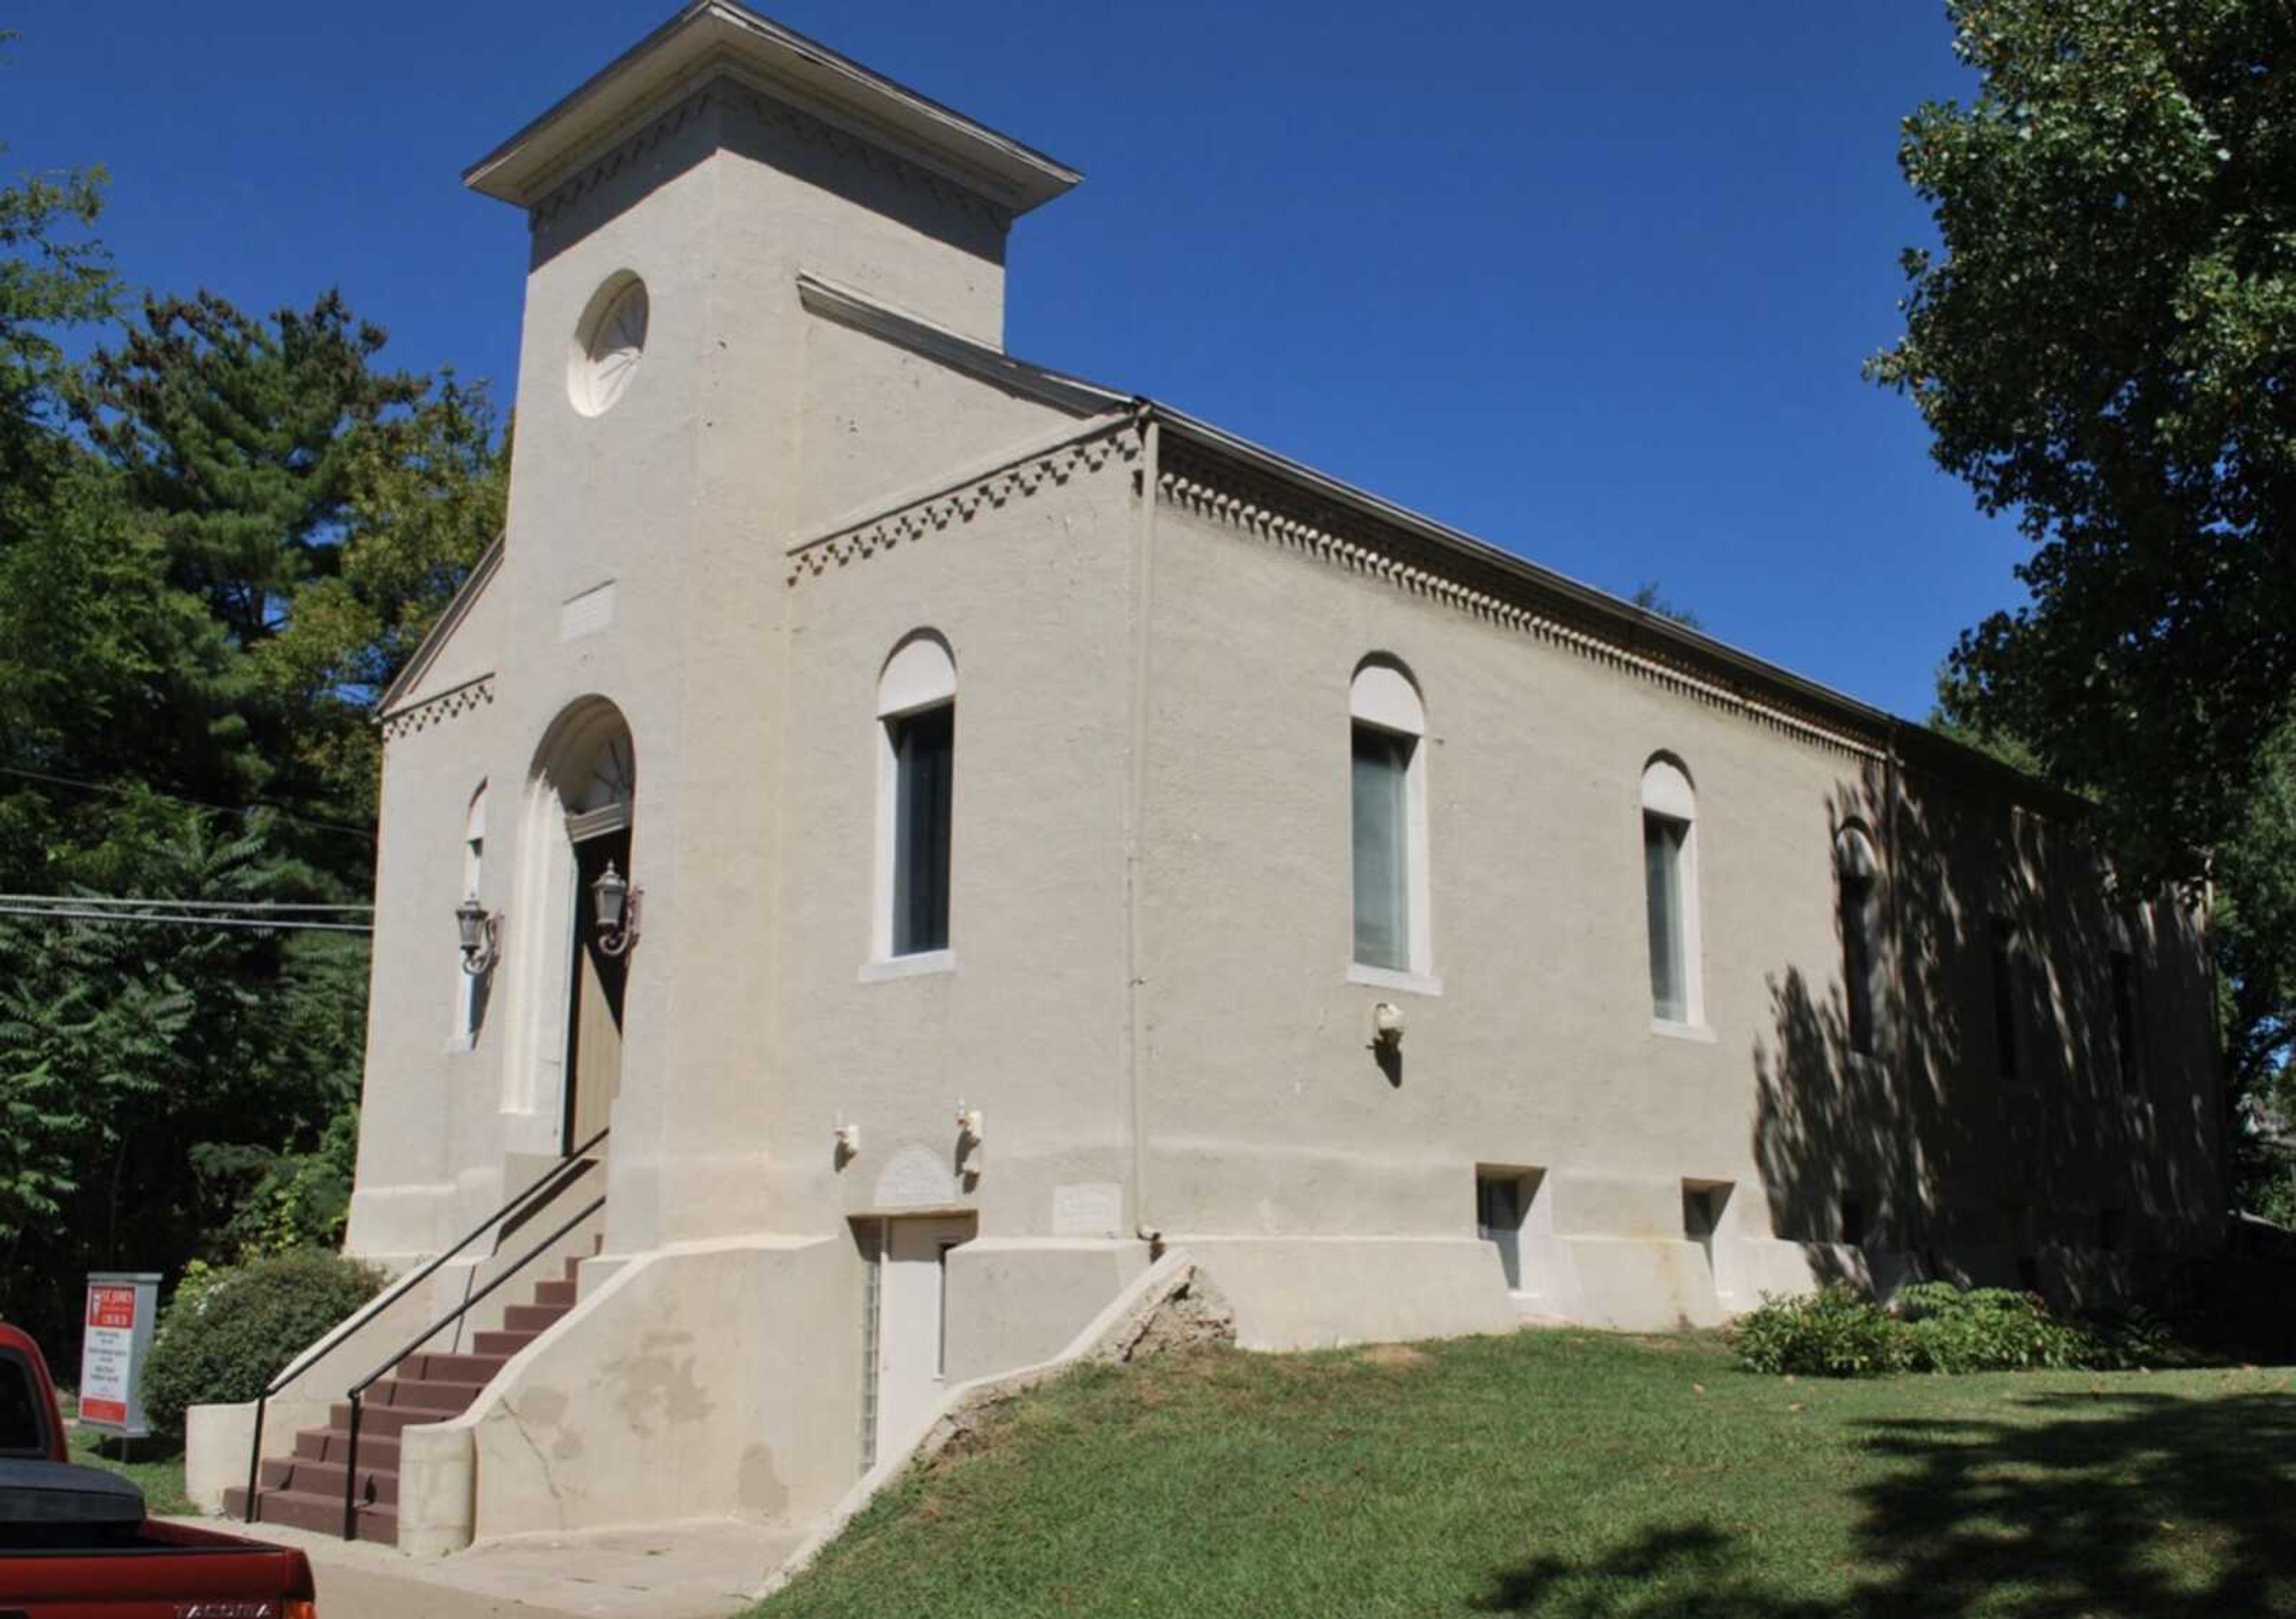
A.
x: 953, y: 508
x: 448, y: 704
x: 1247, y: 503
x: 845, y: 146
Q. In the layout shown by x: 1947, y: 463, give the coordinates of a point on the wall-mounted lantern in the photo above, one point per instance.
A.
x: 969, y: 1129
x: 1387, y: 1026
x: 481, y: 936
x: 614, y: 904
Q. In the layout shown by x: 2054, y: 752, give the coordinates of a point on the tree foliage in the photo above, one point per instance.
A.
x: 2105, y: 348
x: 220, y: 537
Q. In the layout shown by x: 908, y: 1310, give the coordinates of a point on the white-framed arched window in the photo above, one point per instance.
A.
x: 472, y: 990
x: 1857, y: 879
x: 916, y: 779
x: 1670, y: 887
x: 1387, y: 787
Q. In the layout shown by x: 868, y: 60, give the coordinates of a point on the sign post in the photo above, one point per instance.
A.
x: 121, y: 1307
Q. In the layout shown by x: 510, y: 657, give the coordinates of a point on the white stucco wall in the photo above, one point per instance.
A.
x: 1148, y: 995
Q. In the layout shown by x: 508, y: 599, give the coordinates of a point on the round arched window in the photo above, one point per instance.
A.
x: 607, y: 344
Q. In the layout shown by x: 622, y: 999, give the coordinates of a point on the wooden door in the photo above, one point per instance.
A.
x: 594, y: 1034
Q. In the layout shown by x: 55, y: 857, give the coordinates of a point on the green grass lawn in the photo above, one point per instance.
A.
x: 1583, y: 1474
x: 155, y: 1464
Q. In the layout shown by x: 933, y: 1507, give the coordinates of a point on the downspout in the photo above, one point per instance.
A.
x: 1136, y: 789
x: 1901, y: 1023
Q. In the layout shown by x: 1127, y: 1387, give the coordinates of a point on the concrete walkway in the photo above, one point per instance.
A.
x: 677, y: 1571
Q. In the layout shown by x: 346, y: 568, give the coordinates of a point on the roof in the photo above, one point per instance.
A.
x: 713, y: 36
x: 1635, y: 628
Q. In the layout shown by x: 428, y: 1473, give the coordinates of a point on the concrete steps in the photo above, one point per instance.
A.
x: 304, y: 1488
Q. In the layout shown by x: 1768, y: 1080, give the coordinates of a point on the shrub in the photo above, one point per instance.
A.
x: 1987, y: 1329
x: 1935, y: 1326
x: 1835, y: 1332
x: 227, y: 1332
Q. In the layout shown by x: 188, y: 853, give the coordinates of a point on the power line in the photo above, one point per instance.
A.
x: 224, y: 905
x: 243, y: 811
x: 282, y: 924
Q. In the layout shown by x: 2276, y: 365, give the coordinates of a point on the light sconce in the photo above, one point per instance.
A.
x: 968, y: 1144
x: 1387, y: 1026
x: 614, y: 904
x: 481, y: 936
x: 848, y: 1143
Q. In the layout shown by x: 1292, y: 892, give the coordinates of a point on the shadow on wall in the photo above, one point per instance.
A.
x: 1992, y: 1119
x: 2130, y: 1504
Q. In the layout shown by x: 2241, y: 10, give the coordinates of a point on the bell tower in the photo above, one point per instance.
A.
x: 675, y: 200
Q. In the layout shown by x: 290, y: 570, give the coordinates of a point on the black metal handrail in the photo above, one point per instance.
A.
x: 553, y: 1180
x: 359, y: 1389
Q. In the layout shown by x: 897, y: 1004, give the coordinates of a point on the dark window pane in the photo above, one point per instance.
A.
x: 1662, y: 838
x: 2127, y: 1033
x: 22, y: 1431
x: 925, y: 752
x: 1382, y: 763
x: 1857, y: 957
x: 2005, y: 997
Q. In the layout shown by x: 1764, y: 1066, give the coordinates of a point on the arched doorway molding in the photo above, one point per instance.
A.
x: 579, y: 804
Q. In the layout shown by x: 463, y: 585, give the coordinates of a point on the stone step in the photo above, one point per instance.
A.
x: 560, y: 1294
x: 302, y: 1473
x: 378, y: 1451
x: 532, y: 1317
x: 409, y: 1394
x: 380, y: 1421
x: 502, y: 1344
x: 475, y: 1369
x: 319, y: 1514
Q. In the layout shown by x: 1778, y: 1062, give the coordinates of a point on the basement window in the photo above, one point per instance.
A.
x: 1854, y: 1229
x: 1502, y: 1199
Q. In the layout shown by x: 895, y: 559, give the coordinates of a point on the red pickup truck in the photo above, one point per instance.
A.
x: 75, y: 1542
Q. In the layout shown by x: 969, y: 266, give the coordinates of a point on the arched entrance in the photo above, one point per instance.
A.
x: 579, y: 809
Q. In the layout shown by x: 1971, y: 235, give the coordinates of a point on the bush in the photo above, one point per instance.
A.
x: 1935, y: 1326
x: 1835, y: 1332
x: 1986, y: 1329
x: 227, y: 1332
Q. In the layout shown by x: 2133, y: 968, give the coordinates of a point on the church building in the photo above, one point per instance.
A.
x: 894, y: 839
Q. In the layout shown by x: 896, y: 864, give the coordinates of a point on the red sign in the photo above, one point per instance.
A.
x: 113, y: 1411
x: 113, y: 1307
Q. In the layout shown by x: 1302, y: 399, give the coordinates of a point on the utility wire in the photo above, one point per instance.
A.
x: 226, y: 904
x: 174, y: 798
x: 282, y: 924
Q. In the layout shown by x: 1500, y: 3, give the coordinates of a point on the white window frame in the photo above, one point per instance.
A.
x: 1384, y: 697
x: 920, y: 676
x: 1666, y: 793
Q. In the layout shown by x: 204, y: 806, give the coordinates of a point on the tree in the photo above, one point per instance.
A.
x: 218, y: 541
x: 1649, y: 598
x: 2105, y: 346
x: 320, y: 508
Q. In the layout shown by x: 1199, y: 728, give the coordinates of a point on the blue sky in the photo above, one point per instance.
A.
x: 1591, y: 281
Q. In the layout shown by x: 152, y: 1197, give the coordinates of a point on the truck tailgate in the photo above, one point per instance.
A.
x: 176, y: 1572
